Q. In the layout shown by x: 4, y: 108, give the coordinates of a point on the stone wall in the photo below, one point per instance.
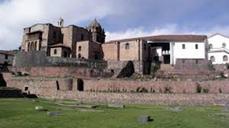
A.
x: 121, y: 91
x: 38, y: 64
x: 39, y: 58
x: 192, y: 64
x: 188, y: 87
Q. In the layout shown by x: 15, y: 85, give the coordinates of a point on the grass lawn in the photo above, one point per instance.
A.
x: 20, y: 113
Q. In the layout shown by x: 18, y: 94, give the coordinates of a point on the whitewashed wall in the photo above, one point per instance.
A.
x: 218, y: 57
x: 217, y: 50
x: 218, y: 40
x: 190, y: 52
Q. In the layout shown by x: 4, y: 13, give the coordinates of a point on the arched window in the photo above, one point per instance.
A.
x: 225, y: 58
x: 224, y: 45
x: 79, y: 48
x: 79, y: 56
x: 212, y: 58
x: 210, y: 46
x: 127, y: 46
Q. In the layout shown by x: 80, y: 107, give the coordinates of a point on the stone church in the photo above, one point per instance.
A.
x: 65, y: 41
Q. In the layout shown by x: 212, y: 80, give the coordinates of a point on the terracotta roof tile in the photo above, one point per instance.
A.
x: 166, y: 38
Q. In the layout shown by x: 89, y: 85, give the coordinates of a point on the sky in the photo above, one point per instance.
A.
x: 120, y: 18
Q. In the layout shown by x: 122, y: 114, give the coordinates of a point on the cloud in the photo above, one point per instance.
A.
x: 168, y: 29
x: 17, y: 14
x: 121, y: 19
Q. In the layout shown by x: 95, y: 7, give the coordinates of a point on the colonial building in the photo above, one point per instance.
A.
x: 218, y: 49
x: 65, y: 41
x: 189, y: 50
x: 183, y: 51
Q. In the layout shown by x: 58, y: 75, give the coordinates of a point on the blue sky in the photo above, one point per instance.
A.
x: 120, y: 18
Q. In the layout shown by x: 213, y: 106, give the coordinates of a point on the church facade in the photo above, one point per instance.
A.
x: 65, y: 41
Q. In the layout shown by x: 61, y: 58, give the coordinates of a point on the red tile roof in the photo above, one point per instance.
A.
x: 167, y: 38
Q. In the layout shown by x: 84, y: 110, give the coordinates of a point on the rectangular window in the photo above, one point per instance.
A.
x: 183, y: 46
x: 196, y: 46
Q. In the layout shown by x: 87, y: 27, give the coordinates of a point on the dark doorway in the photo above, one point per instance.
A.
x: 26, y: 88
x: 2, y: 81
x: 166, y: 59
x: 80, y: 85
x: 65, y: 54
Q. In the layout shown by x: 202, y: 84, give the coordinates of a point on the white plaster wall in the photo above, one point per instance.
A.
x: 217, y: 49
x: 218, y: 57
x: 218, y: 40
x: 190, y: 52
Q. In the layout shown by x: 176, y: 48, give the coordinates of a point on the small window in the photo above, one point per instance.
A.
x: 55, y: 51
x: 6, y: 57
x: 196, y: 46
x: 183, y: 61
x: 225, y: 58
x: 224, y: 45
x: 127, y: 46
x: 79, y: 48
x: 212, y: 58
x: 183, y: 46
x: 210, y: 46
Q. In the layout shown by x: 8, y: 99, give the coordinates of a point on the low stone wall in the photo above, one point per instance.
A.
x: 192, y: 64
x: 125, y: 91
x: 187, y: 86
x: 144, y: 98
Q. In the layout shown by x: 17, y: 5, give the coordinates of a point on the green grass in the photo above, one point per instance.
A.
x: 20, y: 113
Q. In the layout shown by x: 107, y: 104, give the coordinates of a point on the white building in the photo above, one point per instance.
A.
x: 218, y: 49
x: 170, y: 48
